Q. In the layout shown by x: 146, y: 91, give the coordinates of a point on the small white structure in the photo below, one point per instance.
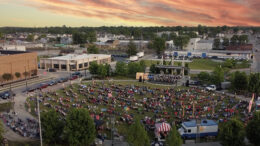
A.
x: 140, y: 54
x: 74, y: 62
x: 169, y: 44
x: 192, y: 45
x: 204, y: 45
x: 133, y: 58
x: 13, y: 47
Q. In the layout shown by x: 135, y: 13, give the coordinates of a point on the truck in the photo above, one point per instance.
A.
x: 211, y: 88
x: 206, y: 127
x: 140, y: 54
x: 133, y: 58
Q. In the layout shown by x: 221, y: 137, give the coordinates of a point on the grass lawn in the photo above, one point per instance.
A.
x: 202, y: 64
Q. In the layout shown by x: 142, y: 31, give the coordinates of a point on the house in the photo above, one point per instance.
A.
x: 204, y: 45
x: 192, y: 45
x: 66, y: 40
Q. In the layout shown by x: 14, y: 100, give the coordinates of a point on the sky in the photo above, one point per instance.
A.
x: 75, y: 13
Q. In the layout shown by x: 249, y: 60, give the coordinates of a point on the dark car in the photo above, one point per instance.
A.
x: 76, y: 74
x: 7, y: 94
x: 61, y: 80
x: 51, y: 83
x: 52, y: 70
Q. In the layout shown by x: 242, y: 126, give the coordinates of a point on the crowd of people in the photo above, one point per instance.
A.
x: 165, y: 78
x: 153, y: 104
x: 26, y: 128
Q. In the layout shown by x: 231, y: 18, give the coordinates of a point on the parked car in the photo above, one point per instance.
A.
x: 62, y: 80
x: 73, y: 77
x: 211, y: 88
x: 51, y: 83
x: 43, y: 85
x: 76, y: 73
x: 7, y: 94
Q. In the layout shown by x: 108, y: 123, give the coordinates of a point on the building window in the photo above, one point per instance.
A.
x: 85, y: 64
x: 57, y: 66
x: 80, y: 65
x: 72, y: 67
x: 63, y: 66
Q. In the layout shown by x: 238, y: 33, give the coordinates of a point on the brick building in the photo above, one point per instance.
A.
x: 18, y: 62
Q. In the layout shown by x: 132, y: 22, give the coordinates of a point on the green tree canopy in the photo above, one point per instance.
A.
x: 217, y: 76
x: 232, y: 133
x: 225, y: 42
x: 93, y: 68
x: 239, y: 81
x: 243, y: 39
x: 121, y: 68
x: 52, y: 126
x: 17, y: 75
x: 204, y: 77
x: 136, y: 135
x: 253, y: 128
x: 93, y: 49
x: 131, y: 48
x: 30, y: 38
x: 234, y: 40
x: 181, y: 41
x: 254, y: 83
x: 79, y: 129
x: 174, y: 138
x: 217, y: 43
x: 102, y: 71
x: 159, y: 45
x: 7, y: 76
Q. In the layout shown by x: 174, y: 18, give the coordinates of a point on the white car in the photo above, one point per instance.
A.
x: 211, y: 88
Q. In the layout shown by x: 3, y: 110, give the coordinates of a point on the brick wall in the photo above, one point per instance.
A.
x: 18, y: 63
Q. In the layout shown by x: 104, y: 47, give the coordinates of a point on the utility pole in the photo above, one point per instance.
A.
x: 39, y: 117
x: 25, y: 73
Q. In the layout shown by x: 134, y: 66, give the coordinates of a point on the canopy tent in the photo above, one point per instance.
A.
x: 162, y: 127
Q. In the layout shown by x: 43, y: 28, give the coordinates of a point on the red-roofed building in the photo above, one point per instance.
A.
x: 247, y: 47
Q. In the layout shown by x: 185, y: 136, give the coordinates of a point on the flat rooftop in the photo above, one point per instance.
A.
x: 11, y: 52
x: 80, y: 56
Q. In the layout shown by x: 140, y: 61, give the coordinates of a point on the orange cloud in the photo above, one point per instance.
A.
x: 159, y: 12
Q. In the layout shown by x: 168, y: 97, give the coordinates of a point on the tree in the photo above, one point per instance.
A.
x: 174, y: 138
x: 93, y: 68
x: 232, y: 133
x: 26, y: 74
x: 121, y: 68
x: 142, y: 65
x: 7, y: 76
x: 181, y: 41
x: 102, y: 71
x: 234, y: 40
x: 1, y: 132
x: 133, y: 68
x: 225, y: 42
x: 239, y: 81
x: 108, y: 69
x: 136, y: 135
x: 217, y: 76
x: 216, y: 43
x: 93, y: 49
x: 204, y: 77
x: 243, y: 39
x: 154, y: 69
x: 1, y: 35
x: 131, y: 48
x: 230, y: 63
x: 52, y: 126
x: 159, y: 45
x: 30, y: 38
x: 253, y: 128
x: 79, y: 128
x: 17, y: 75
x: 79, y: 38
x: 254, y: 83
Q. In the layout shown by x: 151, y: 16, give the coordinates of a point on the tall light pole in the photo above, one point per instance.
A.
x: 25, y: 73
x: 39, y: 117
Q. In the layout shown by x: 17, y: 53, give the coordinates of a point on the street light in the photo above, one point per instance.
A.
x: 39, y: 116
